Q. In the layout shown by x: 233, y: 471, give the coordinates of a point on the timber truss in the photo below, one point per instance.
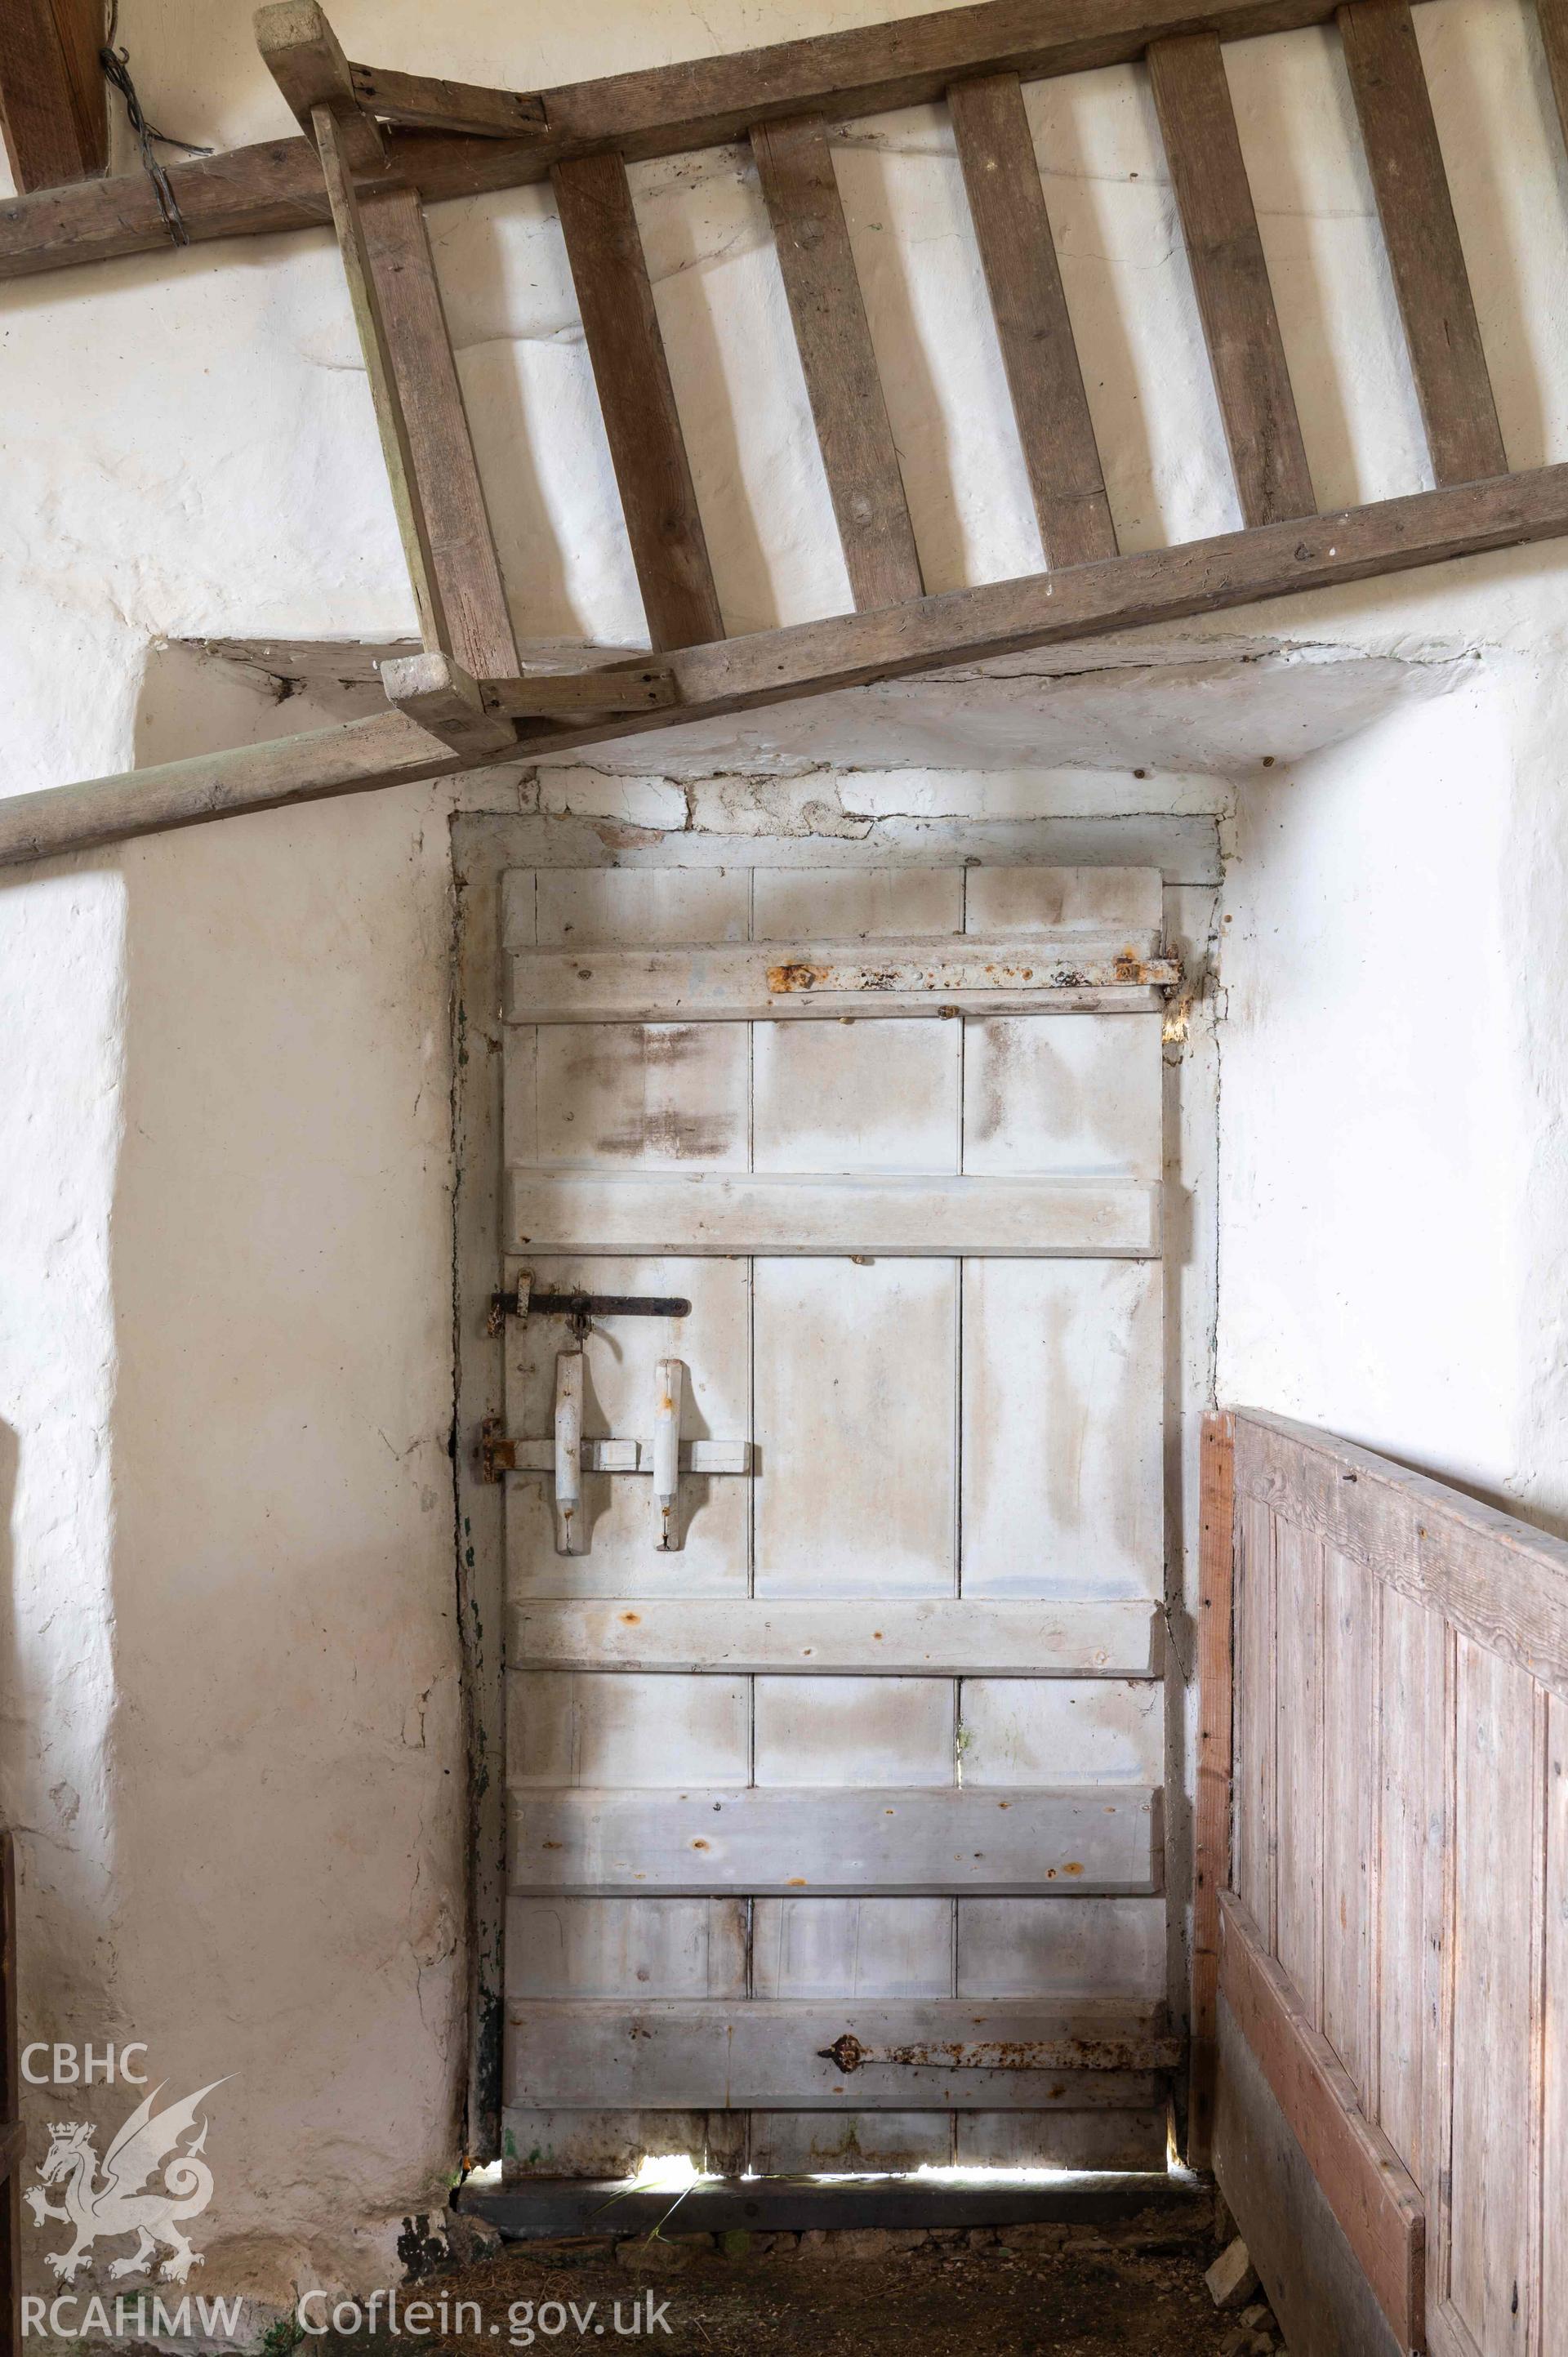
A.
x: 378, y: 145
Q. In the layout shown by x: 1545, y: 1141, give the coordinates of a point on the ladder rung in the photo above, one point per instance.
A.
x: 1231, y: 279
x: 440, y: 451
x: 643, y: 687
x: 1422, y: 241
x: 828, y: 309
x: 1017, y: 252
x: 609, y: 270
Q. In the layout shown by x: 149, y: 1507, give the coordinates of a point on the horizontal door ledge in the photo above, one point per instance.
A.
x: 1094, y: 1839
x: 832, y: 2054
x: 707, y: 1214
x: 905, y: 1005
x: 947, y: 1637
x: 761, y: 981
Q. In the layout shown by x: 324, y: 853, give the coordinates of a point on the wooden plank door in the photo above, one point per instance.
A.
x: 835, y: 1829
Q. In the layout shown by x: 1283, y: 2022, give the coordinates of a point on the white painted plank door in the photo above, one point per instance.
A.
x: 835, y: 1825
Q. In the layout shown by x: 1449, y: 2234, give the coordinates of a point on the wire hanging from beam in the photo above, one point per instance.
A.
x: 116, y: 65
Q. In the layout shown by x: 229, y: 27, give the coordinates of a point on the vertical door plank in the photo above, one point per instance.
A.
x: 1018, y: 255
x: 1063, y: 1416
x: 844, y: 1732
x: 631, y: 1730
x: 1076, y: 1093
x: 625, y: 1947
x: 462, y: 548
x: 1443, y: 1912
x: 805, y: 904
x: 855, y: 1096
x: 386, y: 391
x: 1040, y: 1947
x: 1031, y: 1731
x: 1298, y: 1933
x: 861, y: 1359
x: 642, y: 1096
x: 1352, y: 1716
x: 1211, y: 1866
x: 849, y: 2144
x: 1134, y: 2139
x: 604, y: 2145
x: 795, y: 169
x: 1410, y: 1882
x: 1230, y: 278
x: 1499, y: 1849
x: 628, y: 907
x: 1252, y: 1870
x: 648, y: 449
x: 1422, y: 241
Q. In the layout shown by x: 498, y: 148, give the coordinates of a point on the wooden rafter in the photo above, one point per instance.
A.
x: 53, y: 98
x: 466, y: 701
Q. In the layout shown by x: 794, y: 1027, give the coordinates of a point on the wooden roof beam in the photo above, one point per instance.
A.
x: 54, y: 110
x: 662, y: 110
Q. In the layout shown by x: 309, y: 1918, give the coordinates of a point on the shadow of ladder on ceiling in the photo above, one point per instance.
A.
x: 469, y: 689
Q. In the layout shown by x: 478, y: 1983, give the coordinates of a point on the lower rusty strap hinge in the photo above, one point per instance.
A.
x: 1139, y: 2051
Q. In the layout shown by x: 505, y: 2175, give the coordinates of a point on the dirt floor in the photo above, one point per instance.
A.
x: 1033, y: 2291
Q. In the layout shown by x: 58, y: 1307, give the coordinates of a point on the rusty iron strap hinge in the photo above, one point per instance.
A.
x: 1148, y: 2051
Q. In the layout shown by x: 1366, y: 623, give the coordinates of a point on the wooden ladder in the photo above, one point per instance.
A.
x: 387, y: 142
x: 469, y: 689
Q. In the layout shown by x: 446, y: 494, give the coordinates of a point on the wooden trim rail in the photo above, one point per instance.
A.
x: 1371, y: 2190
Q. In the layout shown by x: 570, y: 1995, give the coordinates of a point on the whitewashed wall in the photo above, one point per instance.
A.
x: 229, y: 1709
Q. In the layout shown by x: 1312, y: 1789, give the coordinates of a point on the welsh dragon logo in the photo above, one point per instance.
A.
x: 121, y: 2201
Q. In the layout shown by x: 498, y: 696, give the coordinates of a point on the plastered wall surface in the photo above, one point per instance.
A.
x: 230, y: 1730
